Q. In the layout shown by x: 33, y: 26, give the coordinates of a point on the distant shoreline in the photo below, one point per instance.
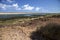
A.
x: 25, y: 13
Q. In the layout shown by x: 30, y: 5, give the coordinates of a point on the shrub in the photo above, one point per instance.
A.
x: 50, y: 32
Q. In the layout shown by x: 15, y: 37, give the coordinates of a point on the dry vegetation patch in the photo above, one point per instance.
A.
x: 25, y: 29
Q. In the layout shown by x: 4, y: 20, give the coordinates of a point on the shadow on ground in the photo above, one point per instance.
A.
x: 50, y: 32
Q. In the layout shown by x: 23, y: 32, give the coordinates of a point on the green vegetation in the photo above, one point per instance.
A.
x: 15, y: 19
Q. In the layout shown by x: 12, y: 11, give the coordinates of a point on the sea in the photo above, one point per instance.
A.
x: 17, y: 15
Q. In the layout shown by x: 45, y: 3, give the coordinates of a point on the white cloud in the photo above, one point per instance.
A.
x: 3, y: 6
x: 10, y: 1
x: 44, y: 10
x: 27, y: 7
x: 41, y: 9
x: 16, y: 6
x: 13, y: 6
x: 37, y: 8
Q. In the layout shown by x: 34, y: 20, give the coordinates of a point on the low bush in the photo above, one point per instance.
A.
x: 50, y: 32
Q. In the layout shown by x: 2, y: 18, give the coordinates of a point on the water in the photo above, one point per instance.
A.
x: 13, y: 15
x: 16, y: 15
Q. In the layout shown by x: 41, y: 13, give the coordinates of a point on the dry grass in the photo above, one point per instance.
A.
x: 21, y: 29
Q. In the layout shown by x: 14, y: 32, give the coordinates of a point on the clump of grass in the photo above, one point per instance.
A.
x: 50, y: 32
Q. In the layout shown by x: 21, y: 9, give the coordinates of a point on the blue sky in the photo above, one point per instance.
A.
x: 43, y: 6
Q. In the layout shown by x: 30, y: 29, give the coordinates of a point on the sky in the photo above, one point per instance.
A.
x: 42, y: 6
